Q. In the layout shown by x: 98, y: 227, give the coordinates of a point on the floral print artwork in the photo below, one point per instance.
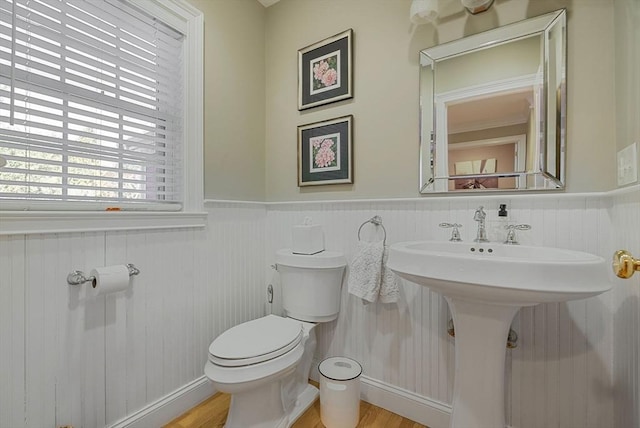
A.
x: 325, y: 153
x: 324, y: 73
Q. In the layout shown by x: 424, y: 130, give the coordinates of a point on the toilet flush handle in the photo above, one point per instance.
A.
x: 270, y: 293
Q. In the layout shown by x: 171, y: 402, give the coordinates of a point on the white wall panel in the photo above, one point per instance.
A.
x: 625, y: 215
x: 560, y: 374
x: 12, y: 331
x: 68, y: 358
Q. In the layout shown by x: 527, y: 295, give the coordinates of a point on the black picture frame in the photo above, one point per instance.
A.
x: 325, y: 152
x: 325, y: 71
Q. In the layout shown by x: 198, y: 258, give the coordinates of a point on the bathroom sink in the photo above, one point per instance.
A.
x: 485, y: 284
x: 498, y: 273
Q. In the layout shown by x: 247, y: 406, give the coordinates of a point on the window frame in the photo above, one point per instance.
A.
x: 35, y: 217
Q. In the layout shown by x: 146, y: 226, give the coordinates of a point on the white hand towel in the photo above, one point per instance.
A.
x: 366, y: 270
x: 389, y: 291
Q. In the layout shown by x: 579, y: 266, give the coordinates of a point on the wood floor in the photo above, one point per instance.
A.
x: 212, y: 413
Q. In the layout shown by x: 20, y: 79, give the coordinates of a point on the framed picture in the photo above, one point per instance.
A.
x: 325, y: 152
x: 325, y: 71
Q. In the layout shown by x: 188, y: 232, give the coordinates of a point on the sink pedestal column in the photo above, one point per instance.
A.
x: 481, y: 339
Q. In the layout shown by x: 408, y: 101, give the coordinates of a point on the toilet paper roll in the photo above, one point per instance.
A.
x: 109, y: 279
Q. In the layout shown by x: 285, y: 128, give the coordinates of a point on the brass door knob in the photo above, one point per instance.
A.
x: 624, y: 264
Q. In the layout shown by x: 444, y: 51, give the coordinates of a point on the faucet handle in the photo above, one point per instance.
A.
x: 511, y: 232
x: 518, y: 227
x: 455, y: 233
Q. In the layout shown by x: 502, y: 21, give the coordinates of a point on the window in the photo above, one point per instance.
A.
x: 91, y: 105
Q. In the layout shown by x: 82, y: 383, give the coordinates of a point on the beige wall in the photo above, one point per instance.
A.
x: 251, y: 111
x: 234, y: 119
x: 385, y: 106
x: 503, y: 154
x: 508, y: 61
x: 486, y: 134
x: 627, y: 60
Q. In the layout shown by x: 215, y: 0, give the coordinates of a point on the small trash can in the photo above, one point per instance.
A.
x: 340, y: 392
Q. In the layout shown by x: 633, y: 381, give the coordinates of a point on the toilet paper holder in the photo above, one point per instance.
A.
x: 77, y: 277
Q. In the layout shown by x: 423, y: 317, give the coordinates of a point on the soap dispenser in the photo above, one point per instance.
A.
x: 503, y: 221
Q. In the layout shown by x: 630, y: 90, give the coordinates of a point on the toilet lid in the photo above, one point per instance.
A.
x: 255, y: 341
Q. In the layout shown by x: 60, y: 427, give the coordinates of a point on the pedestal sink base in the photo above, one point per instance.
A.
x: 481, y: 337
x: 485, y: 285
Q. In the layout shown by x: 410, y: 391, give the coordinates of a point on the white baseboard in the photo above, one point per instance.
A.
x: 405, y: 403
x: 410, y: 405
x: 170, y: 406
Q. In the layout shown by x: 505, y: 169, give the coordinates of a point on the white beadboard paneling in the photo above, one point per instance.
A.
x: 12, y: 331
x: 116, y: 326
x: 68, y: 359
x: 87, y: 251
x: 560, y: 372
x: 112, y: 356
x: 134, y: 326
x: 150, y: 327
x: 156, y: 279
x: 236, y: 263
x: 42, y: 295
x: 385, y: 338
x: 64, y: 339
x: 625, y: 218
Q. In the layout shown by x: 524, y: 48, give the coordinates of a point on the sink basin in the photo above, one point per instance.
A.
x: 498, y: 273
x: 485, y: 285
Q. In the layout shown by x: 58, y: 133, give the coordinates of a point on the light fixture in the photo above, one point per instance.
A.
x: 476, y: 6
x: 426, y: 11
x: 423, y: 11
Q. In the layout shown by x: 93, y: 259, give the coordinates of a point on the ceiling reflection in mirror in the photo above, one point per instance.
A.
x: 493, y: 109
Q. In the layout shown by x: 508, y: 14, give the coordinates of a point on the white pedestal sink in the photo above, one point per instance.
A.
x: 485, y: 285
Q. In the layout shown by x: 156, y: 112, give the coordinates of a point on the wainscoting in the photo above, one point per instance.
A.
x: 69, y: 359
x: 625, y: 215
x: 560, y: 375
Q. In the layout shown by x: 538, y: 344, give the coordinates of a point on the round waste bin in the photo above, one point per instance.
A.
x: 340, y: 392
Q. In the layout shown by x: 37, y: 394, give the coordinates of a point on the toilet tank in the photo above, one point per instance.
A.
x: 311, y: 284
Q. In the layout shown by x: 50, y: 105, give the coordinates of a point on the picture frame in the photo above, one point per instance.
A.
x: 325, y: 152
x: 325, y: 71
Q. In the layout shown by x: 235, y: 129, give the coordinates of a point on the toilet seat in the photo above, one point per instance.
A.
x: 256, y: 341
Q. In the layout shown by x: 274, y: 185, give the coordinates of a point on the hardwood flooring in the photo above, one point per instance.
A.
x: 212, y: 413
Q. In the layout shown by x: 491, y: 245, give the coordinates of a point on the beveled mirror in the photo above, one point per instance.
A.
x: 493, y: 109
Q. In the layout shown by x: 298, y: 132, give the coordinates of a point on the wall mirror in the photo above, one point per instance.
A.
x: 493, y: 109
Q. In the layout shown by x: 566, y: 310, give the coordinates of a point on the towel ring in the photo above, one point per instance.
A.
x: 376, y: 220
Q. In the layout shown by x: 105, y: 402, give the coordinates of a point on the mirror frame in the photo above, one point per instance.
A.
x: 548, y: 172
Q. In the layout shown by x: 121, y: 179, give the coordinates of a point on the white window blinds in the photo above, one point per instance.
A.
x: 91, y: 100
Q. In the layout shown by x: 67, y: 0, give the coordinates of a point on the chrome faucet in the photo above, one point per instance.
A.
x: 480, y: 216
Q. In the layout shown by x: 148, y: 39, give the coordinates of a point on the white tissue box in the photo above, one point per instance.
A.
x: 307, y: 239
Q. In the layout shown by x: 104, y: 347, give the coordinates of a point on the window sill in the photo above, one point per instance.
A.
x: 30, y: 222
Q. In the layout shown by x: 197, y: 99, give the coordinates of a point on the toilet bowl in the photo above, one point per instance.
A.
x: 265, y: 363
x: 255, y: 362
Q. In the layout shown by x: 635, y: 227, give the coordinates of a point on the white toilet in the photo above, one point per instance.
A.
x: 265, y: 363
